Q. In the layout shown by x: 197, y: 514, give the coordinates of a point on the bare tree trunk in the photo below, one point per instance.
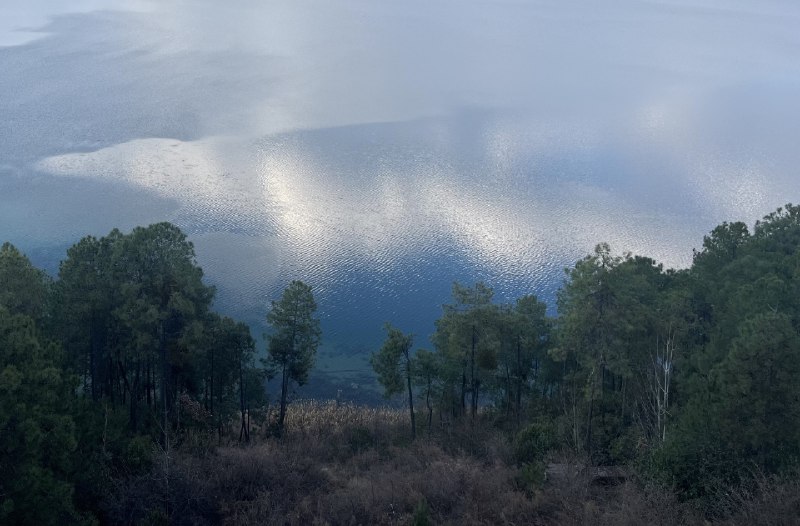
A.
x: 464, y: 391
x: 94, y: 358
x: 662, y: 378
x: 164, y: 387
x: 148, y: 384
x: 428, y: 404
x: 284, y: 394
x: 472, y: 373
x: 244, y: 431
x: 519, y: 382
x: 135, y: 396
x: 211, y: 402
x: 591, y: 417
x: 475, y: 396
x: 602, y: 395
x: 410, y: 396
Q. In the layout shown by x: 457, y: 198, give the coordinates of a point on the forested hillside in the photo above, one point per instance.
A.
x: 125, y: 399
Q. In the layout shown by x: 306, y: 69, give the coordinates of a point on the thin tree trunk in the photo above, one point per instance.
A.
x: 519, y: 382
x: 92, y: 374
x: 148, y: 383
x: 472, y: 372
x: 244, y: 430
x: 428, y: 404
x: 464, y: 391
x: 602, y: 395
x: 211, y: 402
x: 110, y: 380
x: 475, y: 396
x: 509, y: 393
x: 135, y: 398
x: 164, y: 387
x: 284, y: 390
x: 591, y: 417
x: 410, y: 397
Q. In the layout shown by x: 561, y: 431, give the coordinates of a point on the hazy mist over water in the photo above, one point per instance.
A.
x: 380, y: 150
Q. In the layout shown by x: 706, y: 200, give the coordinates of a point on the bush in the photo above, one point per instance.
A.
x: 533, y: 442
x: 138, y: 454
x: 360, y: 439
x: 531, y: 476
x: 421, y: 514
x: 351, y: 474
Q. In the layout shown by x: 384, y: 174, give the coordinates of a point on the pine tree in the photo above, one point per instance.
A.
x: 294, y: 339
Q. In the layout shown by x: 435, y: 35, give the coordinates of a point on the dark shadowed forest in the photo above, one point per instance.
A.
x: 654, y: 396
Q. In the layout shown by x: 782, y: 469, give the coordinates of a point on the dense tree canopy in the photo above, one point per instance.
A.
x: 37, y: 433
x: 120, y: 347
x: 128, y: 308
x: 23, y: 287
x: 691, y: 375
x: 691, y: 372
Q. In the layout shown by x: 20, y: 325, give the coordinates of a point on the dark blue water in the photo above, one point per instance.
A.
x: 382, y: 150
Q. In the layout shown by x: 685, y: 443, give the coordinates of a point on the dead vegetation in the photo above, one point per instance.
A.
x: 342, y: 464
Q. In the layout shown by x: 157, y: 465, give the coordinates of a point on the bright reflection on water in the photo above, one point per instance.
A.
x: 381, y: 150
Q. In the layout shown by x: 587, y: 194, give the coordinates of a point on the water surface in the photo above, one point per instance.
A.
x: 380, y: 150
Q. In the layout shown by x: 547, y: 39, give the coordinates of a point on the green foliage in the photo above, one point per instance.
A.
x: 395, y: 367
x: 722, y: 246
x: 139, y: 454
x: 392, y: 360
x: 761, y: 369
x: 689, y: 373
x: 131, y: 312
x: 129, y: 309
x: 422, y: 514
x: 360, y: 439
x: 426, y: 371
x: 425, y: 368
x: 23, y: 287
x: 295, y: 333
x: 294, y: 339
x: 534, y: 442
x: 38, y: 433
x: 747, y: 419
x: 223, y: 358
x: 531, y: 476
x: 467, y: 340
x: 613, y: 313
x: 693, y: 461
x: 523, y: 337
x: 739, y: 411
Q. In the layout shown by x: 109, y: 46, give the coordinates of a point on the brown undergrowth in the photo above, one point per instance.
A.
x: 348, y: 465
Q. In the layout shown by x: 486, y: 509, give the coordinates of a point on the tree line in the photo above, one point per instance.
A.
x: 689, y: 375
x: 121, y: 351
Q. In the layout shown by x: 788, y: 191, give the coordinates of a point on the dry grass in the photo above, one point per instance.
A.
x: 769, y: 501
x: 328, y: 418
x: 349, y: 465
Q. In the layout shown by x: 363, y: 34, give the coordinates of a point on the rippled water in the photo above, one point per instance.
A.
x: 380, y: 150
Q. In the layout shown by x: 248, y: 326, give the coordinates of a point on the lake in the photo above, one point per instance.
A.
x: 380, y: 150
